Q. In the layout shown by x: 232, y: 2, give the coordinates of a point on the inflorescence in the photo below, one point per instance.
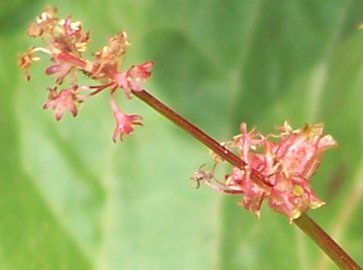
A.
x: 65, y: 42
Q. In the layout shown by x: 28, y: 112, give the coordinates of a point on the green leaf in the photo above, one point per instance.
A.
x: 72, y: 199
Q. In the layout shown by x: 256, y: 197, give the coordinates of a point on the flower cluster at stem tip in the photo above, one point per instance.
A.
x: 283, y: 163
x: 65, y: 42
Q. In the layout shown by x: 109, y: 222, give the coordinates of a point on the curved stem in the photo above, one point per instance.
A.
x: 304, y: 222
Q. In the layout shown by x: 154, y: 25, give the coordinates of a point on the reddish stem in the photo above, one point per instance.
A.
x: 304, y: 222
x: 190, y: 128
x: 326, y: 243
x: 199, y: 134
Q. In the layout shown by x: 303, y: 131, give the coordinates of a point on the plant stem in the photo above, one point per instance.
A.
x: 199, y: 134
x: 304, y: 222
x: 326, y: 243
x: 190, y: 128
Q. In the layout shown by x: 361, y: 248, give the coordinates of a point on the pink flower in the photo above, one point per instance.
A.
x: 44, y: 23
x: 253, y: 193
x: 300, y: 151
x: 64, y: 100
x: 293, y: 196
x: 71, y: 38
x: 131, y: 79
x: 71, y: 28
x: 284, y: 164
x: 124, y: 122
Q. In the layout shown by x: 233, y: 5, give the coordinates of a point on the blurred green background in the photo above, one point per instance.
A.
x: 72, y: 199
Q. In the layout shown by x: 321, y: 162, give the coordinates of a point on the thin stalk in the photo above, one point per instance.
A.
x: 197, y: 133
x: 190, y: 128
x: 326, y: 243
x: 304, y: 222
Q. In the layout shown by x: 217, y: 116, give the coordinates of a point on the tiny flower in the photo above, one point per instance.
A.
x: 25, y: 61
x: 82, y: 41
x: 124, y: 122
x: 43, y: 23
x: 66, y: 99
x: 70, y: 37
x: 112, y: 54
x: 131, y: 79
x: 300, y: 150
x: 293, y: 196
x: 71, y: 28
x: 240, y: 180
x: 137, y: 74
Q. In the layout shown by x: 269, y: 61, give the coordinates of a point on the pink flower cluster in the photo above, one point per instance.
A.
x: 276, y: 168
x: 65, y: 43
